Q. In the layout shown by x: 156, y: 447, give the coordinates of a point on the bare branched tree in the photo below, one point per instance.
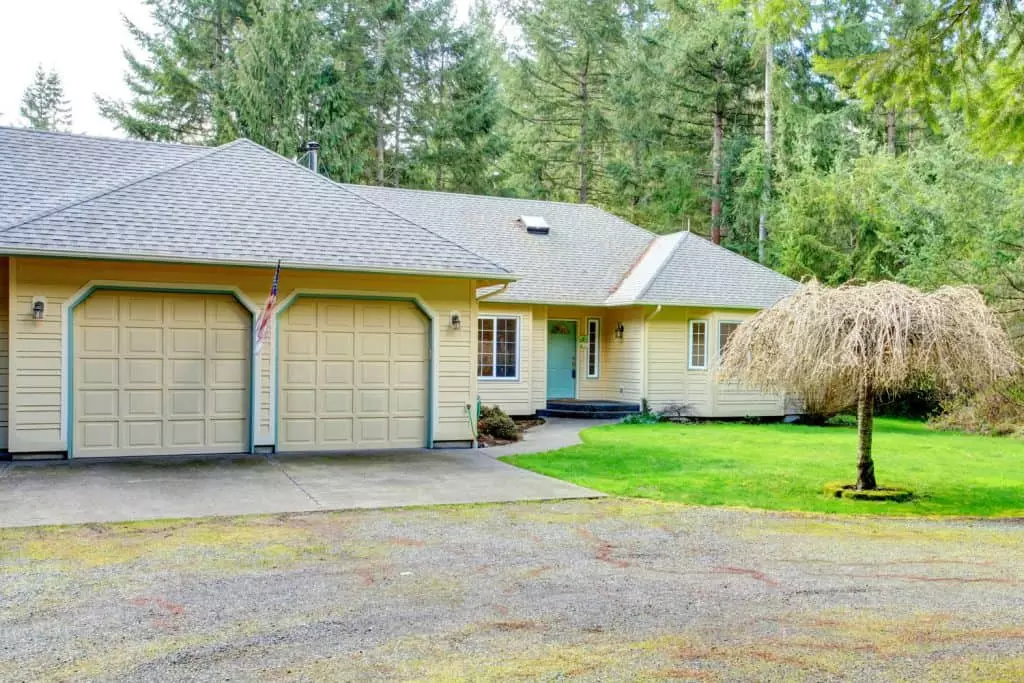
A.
x: 857, y: 341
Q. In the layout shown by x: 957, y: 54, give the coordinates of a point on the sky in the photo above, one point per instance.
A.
x: 82, y: 40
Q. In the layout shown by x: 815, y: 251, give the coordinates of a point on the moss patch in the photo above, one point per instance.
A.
x: 838, y: 489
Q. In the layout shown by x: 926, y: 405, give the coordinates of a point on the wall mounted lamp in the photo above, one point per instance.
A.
x: 620, y: 330
x: 456, y: 321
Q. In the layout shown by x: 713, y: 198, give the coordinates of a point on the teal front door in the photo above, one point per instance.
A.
x: 561, y: 359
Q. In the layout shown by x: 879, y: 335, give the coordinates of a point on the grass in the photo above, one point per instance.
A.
x: 785, y: 467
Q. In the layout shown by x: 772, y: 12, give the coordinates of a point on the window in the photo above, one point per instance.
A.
x: 498, y: 347
x: 698, y: 344
x: 725, y: 331
x: 593, y: 347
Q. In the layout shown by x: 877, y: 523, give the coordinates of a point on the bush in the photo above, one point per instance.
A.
x: 999, y: 411
x: 641, y: 419
x: 494, y: 422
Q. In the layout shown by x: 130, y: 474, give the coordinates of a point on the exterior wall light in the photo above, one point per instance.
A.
x: 620, y: 330
x: 456, y: 321
x: 38, y: 308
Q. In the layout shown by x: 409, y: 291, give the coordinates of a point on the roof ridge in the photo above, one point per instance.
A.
x: 504, y: 198
x: 116, y: 188
x: 664, y: 263
x: 634, y: 268
x: 105, y: 138
x: 346, y: 186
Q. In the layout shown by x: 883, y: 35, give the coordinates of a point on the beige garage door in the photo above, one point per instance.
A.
x: 352, y: 375
x: 160, y: 373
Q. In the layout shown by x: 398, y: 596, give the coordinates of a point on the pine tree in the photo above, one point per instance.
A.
x: 44, y: 106
x: 560, y: 95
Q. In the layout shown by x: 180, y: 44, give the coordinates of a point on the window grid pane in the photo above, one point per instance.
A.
x: 498, y: 348
x: 592, y: 341
x: 725, y: 331
x: 485, y: 339
x: 698, y: 338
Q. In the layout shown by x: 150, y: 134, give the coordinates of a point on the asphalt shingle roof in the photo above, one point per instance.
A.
x: 700, y: 273
x: 40, y: 171
x: 580, y: 261
x: 239, y: 203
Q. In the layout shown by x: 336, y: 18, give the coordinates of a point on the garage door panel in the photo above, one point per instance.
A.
x: 185, y: 372
x: 370, y: 361
x: 337, y: 315
x: 370, y: 401
x: 336, y: 373
x: 159, y: 372
x: 186, y: 402
x: 142, y: 311
x: 227, y: 373
x: 374, y: 316
x: 141, y: 372
x: 100, y: 340
x: 373, y: 373
x: 374, y: 345
x: 100, y: 435
x: 407, y: 430
x: 339, y: 344
x: 143, y: 403
x: 335, y: 432
x: 98, y: 403
x: 186, y: 342
x: 98, y: 372
x: 228, y: 343
x: 142, y: 434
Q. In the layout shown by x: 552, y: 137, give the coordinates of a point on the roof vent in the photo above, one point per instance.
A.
x: 535, y: 225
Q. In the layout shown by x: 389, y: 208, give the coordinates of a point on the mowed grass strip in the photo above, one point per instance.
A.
x: 785, y: 467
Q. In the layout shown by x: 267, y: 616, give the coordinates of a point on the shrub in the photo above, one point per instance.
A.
x: 494, y: 422
x: 641, y: 419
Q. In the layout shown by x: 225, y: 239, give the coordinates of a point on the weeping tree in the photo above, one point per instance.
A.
x: 853, y: 343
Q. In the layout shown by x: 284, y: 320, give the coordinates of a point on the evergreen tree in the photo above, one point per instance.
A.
x: 43, y: 106
x: 559, y: 94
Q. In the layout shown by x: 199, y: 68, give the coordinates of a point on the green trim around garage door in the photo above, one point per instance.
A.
x: 431, y: 352
x: 68, y: 359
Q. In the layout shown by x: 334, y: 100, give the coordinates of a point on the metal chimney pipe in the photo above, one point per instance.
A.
x: 313, y: 158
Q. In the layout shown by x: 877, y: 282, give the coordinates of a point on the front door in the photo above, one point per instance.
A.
x: 561, y: 359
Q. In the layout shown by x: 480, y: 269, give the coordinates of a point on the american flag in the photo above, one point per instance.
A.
x: 263, y: 322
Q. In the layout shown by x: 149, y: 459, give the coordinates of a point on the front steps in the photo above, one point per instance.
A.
x: 589, y: 410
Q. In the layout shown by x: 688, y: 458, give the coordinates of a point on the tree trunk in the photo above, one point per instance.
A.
x: 865, y: 429
x: 583, y: 150
x: 766, y: 191
x: 890, y: 131
x: 380, y: 108
x: 716, y: 177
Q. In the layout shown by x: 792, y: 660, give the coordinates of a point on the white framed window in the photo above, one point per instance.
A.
x: 497, y: 347
x: 725, y: 330
x: 698, y: 356
x: 593, y: 348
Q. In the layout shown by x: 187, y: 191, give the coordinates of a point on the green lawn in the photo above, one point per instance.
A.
x: 784, y: 467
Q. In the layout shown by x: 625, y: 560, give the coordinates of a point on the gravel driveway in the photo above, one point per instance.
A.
x: 590, y: 590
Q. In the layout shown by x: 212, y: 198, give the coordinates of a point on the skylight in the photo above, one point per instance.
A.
x: 535, y: 225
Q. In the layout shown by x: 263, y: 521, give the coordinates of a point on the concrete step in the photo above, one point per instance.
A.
x: 579, y: 415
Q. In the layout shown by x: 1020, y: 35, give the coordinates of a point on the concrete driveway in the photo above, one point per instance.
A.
x: 75, y: 492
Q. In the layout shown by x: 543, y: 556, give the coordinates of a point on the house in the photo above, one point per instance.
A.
x: 134, y: 272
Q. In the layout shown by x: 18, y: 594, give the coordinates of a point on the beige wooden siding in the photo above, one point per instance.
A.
x: 539, y: 359
x: 160, y: 374
x: 671, y: 382
x: 513, y: 395
x: 36, y: 345
x: 353, y: 375
x: 4, y: 349
x: 733, y: 399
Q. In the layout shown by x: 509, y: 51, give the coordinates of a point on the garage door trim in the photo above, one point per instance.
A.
x: 431, y: 317
x: 68, y: 355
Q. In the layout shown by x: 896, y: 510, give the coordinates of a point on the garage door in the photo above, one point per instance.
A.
x: 352, y: 375
x: 158, y: 373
